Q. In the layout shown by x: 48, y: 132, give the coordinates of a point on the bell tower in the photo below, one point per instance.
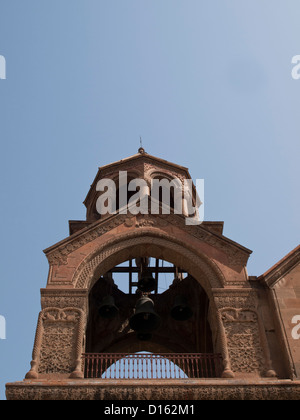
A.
x: 141, y: 305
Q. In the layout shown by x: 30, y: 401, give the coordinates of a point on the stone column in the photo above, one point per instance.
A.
x: 60, y: 333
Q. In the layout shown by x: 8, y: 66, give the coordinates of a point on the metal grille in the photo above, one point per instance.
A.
x: 152, y: 366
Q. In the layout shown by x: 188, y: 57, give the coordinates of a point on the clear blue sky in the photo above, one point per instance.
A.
x: 207, y: 83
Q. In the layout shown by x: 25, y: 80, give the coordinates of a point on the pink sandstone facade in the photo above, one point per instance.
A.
x: 247, y: 320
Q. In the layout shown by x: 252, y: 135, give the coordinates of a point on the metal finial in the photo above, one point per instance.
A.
x: 141, y: 149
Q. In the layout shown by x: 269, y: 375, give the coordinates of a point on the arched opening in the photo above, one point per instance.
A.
x: 109, y: 334
x: 166, y: 194
x: 186, y: 342
x: 97, y: 274
x: 141, y: 243
x: 126, y: 192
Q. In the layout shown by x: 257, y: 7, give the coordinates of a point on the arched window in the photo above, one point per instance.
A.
x: 166, y: 195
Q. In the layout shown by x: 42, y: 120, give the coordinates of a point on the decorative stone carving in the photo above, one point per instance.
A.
x: 243, y: 340
x: 245, y: 349
x: 94, y: 265
x: 237, y: 255
x: 59, y: 255
x: 144, y: 222
x: 64, y: 299
x: 157, y: 390
x: 57, y: 348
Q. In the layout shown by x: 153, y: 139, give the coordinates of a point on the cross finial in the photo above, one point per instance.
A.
x: 141, y: 149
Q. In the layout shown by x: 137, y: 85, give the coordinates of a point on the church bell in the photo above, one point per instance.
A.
x: 146, y: 283
x: 145, y: 320
x: 181, y: 311
x: 108, y: 309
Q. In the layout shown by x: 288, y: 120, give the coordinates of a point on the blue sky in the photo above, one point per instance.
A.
x: 206, y: 83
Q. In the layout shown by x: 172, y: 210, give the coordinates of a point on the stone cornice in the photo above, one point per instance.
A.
x: 172, y: 390
x: 281, y: 269
x: 58, y: 253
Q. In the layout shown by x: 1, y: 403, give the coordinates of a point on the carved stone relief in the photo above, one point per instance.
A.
x: 173, y: 391
x: 59, y: 255
x: 244, y: 344
x: 59, y: 338
x: 243, y: 340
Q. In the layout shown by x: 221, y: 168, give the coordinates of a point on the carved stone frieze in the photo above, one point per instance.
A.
x: 156, y: 390
x: 241, y: 298
x: 64, y: 299
x: 59, y: 255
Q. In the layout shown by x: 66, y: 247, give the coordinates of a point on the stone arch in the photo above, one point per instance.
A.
x: 142, y: 243
x: 115, y: 337
x: 165, y: 173
x: 161, y: 174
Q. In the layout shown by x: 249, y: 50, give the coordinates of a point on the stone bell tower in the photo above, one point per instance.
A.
x: 212, y: 333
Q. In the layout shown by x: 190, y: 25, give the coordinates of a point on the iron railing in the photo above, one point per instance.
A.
x: 152, y: 366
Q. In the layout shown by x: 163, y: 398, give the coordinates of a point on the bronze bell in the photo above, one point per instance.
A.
x: 145, y: 320
x: 147, y: 282
x: 108, y: 309
x: 181, y: 311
